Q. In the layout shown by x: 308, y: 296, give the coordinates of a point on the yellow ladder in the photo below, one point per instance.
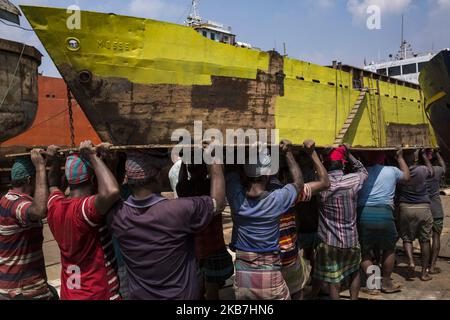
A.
x: 348, y: 123
x: 372, y: 110
x: 375, y: 112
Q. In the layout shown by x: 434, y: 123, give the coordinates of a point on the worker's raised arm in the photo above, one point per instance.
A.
x: 427, y: 162
x: 294, y: 169
x: 182, y: 180
x: 361, y: 171
x: 217, y: 190
x: 38, y: 209
x: 403, y: 166
x: 357, y: 165
x: 54, y: 174
x: 324, y: 180
x: 108, y: 188
x: 441, y: 161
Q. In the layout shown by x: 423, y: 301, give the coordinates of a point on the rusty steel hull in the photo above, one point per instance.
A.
x: 18, y: 87
x: 149, y: 113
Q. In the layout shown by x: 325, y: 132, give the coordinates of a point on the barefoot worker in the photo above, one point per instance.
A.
x: 214, y: 262
x: 434, y: 187
x: 22, y: 267
x: 78, y: 224
x: 415, y: 218
x: 156, y: 235
x: 376, y: 222
x: 338, y: 256
x: 294, y: 268
x: 256, y: 216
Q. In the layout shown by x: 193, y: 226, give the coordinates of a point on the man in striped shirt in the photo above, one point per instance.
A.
x: 293, y: 266
x: 78, y: 224
x: 22, y: 268
x: 338, y: 256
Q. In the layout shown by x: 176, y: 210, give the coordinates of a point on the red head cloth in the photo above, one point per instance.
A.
x: 338, y: 154
x: 379, y: 158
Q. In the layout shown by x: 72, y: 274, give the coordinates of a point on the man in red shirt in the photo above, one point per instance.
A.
x: 22, y: 267
x: 78, y: 223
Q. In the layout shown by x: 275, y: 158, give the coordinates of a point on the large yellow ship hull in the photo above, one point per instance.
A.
x: 138, y: 80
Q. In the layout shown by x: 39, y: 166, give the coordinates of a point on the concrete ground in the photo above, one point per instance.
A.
x: 437, y: 289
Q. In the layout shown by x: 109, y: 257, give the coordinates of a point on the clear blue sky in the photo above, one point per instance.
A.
x: 318, y: 31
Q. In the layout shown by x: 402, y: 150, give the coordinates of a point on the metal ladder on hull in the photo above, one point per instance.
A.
x: 374, y: 111
x: 348, y: 123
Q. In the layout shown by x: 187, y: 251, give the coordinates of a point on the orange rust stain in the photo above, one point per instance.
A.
x: 51, y: 125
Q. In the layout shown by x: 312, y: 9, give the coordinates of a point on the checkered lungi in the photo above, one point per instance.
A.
x: 296, y: 274
x: 334, y: 264
x: 259, y: 277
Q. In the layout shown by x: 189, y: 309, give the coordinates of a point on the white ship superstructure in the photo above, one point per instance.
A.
x: 407, y: 69
x: 405, y: 66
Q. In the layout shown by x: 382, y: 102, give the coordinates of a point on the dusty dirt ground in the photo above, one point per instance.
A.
x: 437, y: 289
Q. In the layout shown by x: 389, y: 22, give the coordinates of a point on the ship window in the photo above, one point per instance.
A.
x: 422, y: 65
x: 410, y: 68
x: 213, y: 36
x: 383, y: 72
x: 225, y: 39
x: 395, y: 71
x: 205, y: 34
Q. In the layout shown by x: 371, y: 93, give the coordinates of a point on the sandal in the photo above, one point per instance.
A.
x: 396, y: 288
x: 372, y: 292
x: 435, y: 270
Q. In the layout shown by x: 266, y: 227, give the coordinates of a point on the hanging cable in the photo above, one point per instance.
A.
x: 49, y: 119
x: 15, y: 26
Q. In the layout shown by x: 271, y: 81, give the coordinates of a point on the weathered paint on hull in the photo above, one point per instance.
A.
x: 138, y: 80
x: 435, y: 82
x: 18, y: 87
